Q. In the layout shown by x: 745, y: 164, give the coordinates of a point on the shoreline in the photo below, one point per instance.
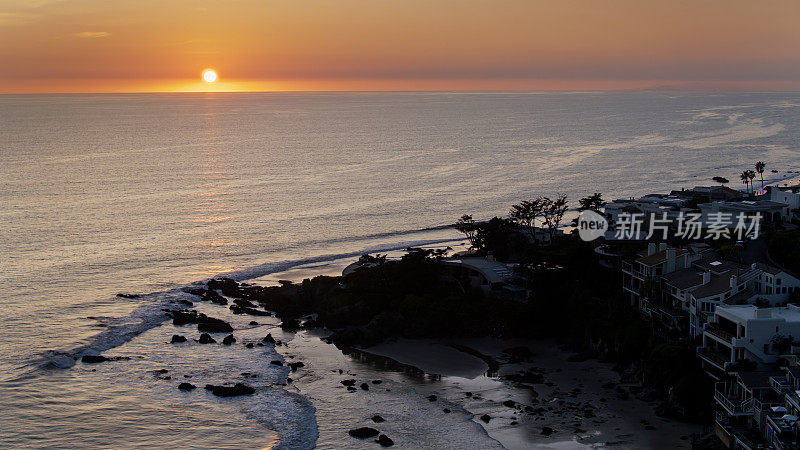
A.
x: 583, y: 403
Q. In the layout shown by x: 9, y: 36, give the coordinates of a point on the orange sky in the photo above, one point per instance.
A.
x: 156, y: 45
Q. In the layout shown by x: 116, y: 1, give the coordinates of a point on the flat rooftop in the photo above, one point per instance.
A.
x: 748, y: 312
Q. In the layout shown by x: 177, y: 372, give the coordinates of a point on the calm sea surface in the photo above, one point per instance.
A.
x: 101, y: 194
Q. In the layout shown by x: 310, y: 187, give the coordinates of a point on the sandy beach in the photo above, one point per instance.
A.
x: 573, y: 405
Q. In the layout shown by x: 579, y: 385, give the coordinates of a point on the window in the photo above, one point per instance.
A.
x: 778, y: 281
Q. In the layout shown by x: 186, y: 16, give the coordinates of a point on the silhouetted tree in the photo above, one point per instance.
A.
x: 494, y: 236
x: 467, y: 226
x: 553, y: 212
x: 745, y: 179
x: 760, y: 166
x: 751, y: 175
x: 526, y: 214
x: 593, y: 202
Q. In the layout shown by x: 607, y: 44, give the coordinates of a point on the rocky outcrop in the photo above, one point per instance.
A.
x: 205, y: 338
x: 363, y: 432
x: 186, y: 386
x: 177, y: 339
x: 94, y: 359
x: 204, y: 323
x: 230, y: 391
x: 384, y: 441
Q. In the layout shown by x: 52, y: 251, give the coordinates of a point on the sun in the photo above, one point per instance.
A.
x: 209, y: 76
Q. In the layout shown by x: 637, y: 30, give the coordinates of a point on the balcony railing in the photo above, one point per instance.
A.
x: 734, y: 406
x: 720, y: 333
x: 716, y: 358
x: 779, y: 384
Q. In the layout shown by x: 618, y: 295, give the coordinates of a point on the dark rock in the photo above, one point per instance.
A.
x: 363, y: 432
x: 486, y: 418
x: 289, y: 379
x: 204, y: 323
x: 228, y: 287
x: 311, y: 323
x: 231, y: 391
x: 229, y: 339
x: 244, y: 303
x: 377, y: 381
x: 236, y: 309
x: 185, y: 302
x: 296, y: 365
x: 177, y: 338
x: 249, y: 345
x: 432, y: 398
x: 253, y: 323
x: 213, y: 297
x: 206, y: 339
x: 290, y: 324
x: 186, y: 386
x: 162, y: 371
x: 364, y: 386
x: 547, y: 431
x: 93, y: 359
x: 351, y: 389
x: 268, y: 339
x: 384, y: 441
x: 510, y: 403
x: 195, y: 291
x: 446, y: 410
x: 378, y: 419
x: 468, y: 394
x: 275, y: 362
x: 350, y: 382
x: 128, y: 295
x: 215, y: 326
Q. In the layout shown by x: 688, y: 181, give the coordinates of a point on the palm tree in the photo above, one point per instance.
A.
x: 745, y: 179
x: 751, y: 174
x: 760, y: 166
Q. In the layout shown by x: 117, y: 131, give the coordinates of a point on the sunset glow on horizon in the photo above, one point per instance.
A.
x: 95, y: 46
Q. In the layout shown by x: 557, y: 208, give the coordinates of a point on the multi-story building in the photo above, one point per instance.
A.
x: 770, y: 212
x: 789, y: 196
x: 746, y: 336
x: 641, y: 277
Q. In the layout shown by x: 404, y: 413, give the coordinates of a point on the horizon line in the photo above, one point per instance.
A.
x: 324, y: 91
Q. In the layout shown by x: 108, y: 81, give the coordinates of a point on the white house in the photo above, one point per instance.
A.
x: 739, y: 333
x: 773, y: 284
x: 789, y: 196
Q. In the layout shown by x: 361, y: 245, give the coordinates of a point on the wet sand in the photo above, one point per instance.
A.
x: 582, y: 402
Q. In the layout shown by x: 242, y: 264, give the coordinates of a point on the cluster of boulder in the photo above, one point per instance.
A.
x: 369, y: 432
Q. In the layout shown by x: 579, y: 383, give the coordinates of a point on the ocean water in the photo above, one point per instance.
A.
x: 101, y: 194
